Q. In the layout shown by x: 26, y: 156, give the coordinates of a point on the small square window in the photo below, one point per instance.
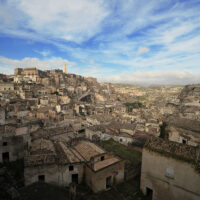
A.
x: 71, y: 168
x: 5, y: 143
x: 184, y: 141
x: 170, y: 172
x: 102, y: 158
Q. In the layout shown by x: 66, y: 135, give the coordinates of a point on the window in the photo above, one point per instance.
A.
x: 71, y: 168
x: 170, y: 172
x: 75, y: 178
x: 5, y: 157
x: 184, y: 141
x: 41, y: 178
x: 81, y: 131
x: 5, y: 143
x: 102, y: 158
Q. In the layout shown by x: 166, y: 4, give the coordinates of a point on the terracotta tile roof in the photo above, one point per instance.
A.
x: 87, y: 150
x: 65, y: 154
x: 101, y: 164
x: 175, y: 150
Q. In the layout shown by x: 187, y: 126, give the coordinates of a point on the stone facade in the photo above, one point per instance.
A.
x: 166, y: 177
x: 28, y: 74
x: 60, y: 164
x: 104, y: 178
x: 11, y: 149
x: 2, y: 116
x: 6, y: 87
x: 58, y: 175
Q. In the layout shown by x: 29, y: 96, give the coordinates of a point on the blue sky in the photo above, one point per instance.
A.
x: 132, y: 41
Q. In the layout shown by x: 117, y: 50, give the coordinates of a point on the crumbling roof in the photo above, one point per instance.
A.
x: 188, y: 124
x: 108, y: 129
x: 8, y: 129
x: 42, y: 146
x: 42, y: 159
x: 66, y: 154
x: 175, y: 150
x: 48, y: 133
x: 97, y: 128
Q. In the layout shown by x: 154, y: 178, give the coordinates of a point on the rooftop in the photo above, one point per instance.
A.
x: 101, y: 164
x: 66, y: 154
x: 175, y: 150
x: 42, y: 146
x: 184, y: 123
x: 87, y: 150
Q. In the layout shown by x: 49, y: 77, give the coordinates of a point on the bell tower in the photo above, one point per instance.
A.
x: 65, y: 68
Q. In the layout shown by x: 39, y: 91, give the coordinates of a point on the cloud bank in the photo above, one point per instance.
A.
x: 154, y: 42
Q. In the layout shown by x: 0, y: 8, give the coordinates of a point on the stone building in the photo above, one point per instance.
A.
x: 170, y: 170
x: 123, y: 133
x: 28, y: 74
x: 2, y: 116
x: 6, y: 86
x: 183, y: 130
x: 55, y: 162
x: 11, y: 146
x: 102, y: 170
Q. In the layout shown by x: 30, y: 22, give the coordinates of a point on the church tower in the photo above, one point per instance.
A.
x: 65, y: 68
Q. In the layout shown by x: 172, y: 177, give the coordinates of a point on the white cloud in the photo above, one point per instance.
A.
x: 44, y: 53
x: 119, y: 31
x: 143, y: 50
x: 155, y: 77
x: 8, y: 65
x: 76, y: 20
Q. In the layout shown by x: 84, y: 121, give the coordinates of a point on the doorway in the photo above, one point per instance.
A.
x: 75, y: 178
x: 5, y: 157
x: 41, y: 178
x: 108, y: 182
x: 149, y: 193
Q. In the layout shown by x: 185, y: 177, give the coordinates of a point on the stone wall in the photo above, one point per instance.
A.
x: 97, y: 180
x: 54, y: 174
x: 168, y: 178
x: 14, y: 146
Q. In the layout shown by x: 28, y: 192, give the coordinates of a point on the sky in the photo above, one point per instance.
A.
x: 120, y: 41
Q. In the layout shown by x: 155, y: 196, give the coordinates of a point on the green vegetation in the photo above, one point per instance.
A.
x: 163, y: 133
x: 127, y: 153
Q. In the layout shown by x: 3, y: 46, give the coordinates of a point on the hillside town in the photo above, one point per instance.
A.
x: 59, y: 127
